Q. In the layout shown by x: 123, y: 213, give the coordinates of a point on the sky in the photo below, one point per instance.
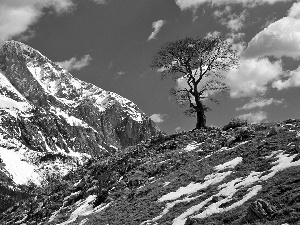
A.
x: 111, y: 43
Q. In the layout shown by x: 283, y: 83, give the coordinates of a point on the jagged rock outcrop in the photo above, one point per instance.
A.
x: 259, y: 210
x: 46, y: 85
x: 44, y: 110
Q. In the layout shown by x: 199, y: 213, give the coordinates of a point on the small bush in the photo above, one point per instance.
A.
x: 234, y: 123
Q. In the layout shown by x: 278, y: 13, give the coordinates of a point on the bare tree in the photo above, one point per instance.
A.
x: 200, y: 62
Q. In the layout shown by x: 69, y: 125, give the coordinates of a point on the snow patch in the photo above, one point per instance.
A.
x: 192, y: 146
x: 215, y: 207
x: 166, y: 184
x: 194, y: 187
x: 85, y: 208
x: 21, y: 171
x: 168, y: 207
x: 13, y: 107
x: 284, y: 161
x: 73, y: 121
x: 229, y: 149
x: 230, y: 164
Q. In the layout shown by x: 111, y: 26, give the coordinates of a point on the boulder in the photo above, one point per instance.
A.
x: 259, y: 210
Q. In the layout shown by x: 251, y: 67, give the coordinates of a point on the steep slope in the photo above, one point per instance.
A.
x: 238, y: 175
x: 50, y: 122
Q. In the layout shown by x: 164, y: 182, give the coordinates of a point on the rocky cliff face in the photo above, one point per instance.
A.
x: 45, y: 111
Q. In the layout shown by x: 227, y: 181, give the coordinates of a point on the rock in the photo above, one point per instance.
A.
x: 190, y: 221
x: 259, y: 210
x: 230, y: 140
x: 91, y: 190
x: 272, y: 132
x: 74, y: 197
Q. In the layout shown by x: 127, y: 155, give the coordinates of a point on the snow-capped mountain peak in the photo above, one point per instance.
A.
x: 48, y: 112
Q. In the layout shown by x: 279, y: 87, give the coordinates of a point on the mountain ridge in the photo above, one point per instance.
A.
x: 45, y: 111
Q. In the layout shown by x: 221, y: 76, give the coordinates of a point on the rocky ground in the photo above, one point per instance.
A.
x: 238, y: 174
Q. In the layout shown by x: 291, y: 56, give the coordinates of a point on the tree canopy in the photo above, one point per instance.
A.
x: 200, y: 63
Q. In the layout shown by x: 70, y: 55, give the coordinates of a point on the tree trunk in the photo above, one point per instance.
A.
x: 200, y: 112
x: 201, y: 119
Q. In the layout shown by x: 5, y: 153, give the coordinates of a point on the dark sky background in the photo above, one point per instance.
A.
x: 108, y: 43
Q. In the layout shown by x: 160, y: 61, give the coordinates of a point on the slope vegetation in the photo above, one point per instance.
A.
x: 241, y: 174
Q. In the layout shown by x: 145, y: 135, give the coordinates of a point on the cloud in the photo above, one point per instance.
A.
x: 295, y: 10
x: 74, y: 64
x: 292, y: 80
x: 260, y: 103
x: 236, y: 22
x: 181, y: 83
x: 156, y: 25
x: 158, y: 118
x: 254, y: 117
x: 102, y: 2
x: 231, y: 20
x: 178, y: 129
x: 237, y: 42
x: 17, y: 16
x: 193, y: 4
x: 111, y: 64
x: 252, y: 78
x: 281, y: 38
x: 119, y: 74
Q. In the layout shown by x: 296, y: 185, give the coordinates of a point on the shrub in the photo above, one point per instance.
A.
x: 235, y: 122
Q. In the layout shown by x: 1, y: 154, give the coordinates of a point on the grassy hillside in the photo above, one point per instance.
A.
x: 239, y: 174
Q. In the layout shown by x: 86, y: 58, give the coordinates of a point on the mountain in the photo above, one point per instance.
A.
x: 50, y: 121
x: 239, y: 174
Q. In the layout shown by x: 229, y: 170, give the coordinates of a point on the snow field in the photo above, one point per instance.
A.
x: 21, y: 171
x: 19, y: 160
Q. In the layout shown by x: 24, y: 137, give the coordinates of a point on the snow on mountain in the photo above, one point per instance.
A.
x: 48, y: 118
x: 20, y: 170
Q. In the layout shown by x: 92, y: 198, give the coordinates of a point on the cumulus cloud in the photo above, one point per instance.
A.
x: 295, y: 10
x: 290, y: 79
x: 74, y: 64
x: 158, y: 118
x: 156, y: 25
x: 192, y: 4
x: 17, y: 16
x: 281, y: 38
x: 178, y: 129
x: 260, y: 103
x: 252, y: 78
x: 254, y: 117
